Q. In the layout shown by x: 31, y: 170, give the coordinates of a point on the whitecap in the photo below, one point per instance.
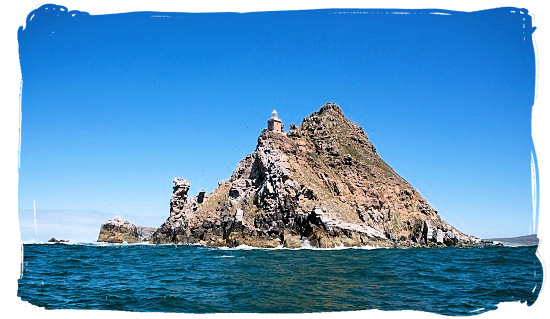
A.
x: 247, y: 247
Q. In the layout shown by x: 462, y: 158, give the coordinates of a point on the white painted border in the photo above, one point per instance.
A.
x: 14, y: 15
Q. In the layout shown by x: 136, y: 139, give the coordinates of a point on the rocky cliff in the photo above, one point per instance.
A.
x: 323, y: 182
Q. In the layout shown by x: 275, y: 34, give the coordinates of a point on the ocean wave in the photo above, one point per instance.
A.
x: 246, y: 247
x: 80, y: 277
x: 339, y: 247
x: 305, y: 246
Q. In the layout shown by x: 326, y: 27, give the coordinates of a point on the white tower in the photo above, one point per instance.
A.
x: 275, y: 123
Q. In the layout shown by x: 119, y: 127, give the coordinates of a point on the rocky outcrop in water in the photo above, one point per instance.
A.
x: 57, y: 241
x: 323, y: 182
x: 118, y: 230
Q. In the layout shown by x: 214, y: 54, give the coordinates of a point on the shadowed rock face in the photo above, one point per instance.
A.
x: 322, y: 181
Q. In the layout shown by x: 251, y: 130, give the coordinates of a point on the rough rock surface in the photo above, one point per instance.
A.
x: 118, y: 231
x: 323, y: 182
x: 145, y: 233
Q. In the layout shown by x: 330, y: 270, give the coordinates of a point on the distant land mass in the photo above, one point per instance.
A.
x: 321, y: 183
x: 528, y: 240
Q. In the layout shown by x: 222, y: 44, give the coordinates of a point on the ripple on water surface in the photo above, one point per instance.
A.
x: 194, y: 279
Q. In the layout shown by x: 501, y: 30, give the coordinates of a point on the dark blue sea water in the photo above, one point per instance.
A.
x: 193, y: 279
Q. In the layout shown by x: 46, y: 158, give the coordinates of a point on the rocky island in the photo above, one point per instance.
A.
x: 119, y: 230
x: 322, y: 182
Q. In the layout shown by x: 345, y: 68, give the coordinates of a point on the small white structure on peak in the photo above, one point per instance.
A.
x: 275, y: 123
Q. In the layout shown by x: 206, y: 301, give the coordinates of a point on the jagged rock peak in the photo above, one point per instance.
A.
x: 331, y: 106
x: 181, y: 187
x: 181, y: 183
x: 322, y: 181
x: 330, y: 120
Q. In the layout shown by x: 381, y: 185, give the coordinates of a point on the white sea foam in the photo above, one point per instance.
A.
x: 305, y: 245
x: 368, y: 247
x: 246, y: 247
x: 339, y: 247
x: 477, y: 310
x: 33, y: 241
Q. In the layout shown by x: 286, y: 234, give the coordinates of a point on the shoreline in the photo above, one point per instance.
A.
x: 281, y: 247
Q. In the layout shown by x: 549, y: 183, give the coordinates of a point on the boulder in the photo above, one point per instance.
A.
x: 53, y: 240
x: 451, y: 238
x: 118, y: 231
x: 291, y: 239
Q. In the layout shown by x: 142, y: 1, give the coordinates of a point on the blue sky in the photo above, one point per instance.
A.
x: 115, y: 106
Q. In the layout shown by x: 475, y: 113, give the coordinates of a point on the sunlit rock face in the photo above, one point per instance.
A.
x: 118, y: 230
x: 321, y: 182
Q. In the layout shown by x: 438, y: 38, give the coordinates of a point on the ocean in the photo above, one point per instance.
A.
x: 195, y: 279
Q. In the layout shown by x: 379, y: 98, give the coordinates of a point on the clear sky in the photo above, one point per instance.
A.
x: 115, y: 106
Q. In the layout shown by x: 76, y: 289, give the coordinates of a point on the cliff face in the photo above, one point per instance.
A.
x: 322, y: 181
